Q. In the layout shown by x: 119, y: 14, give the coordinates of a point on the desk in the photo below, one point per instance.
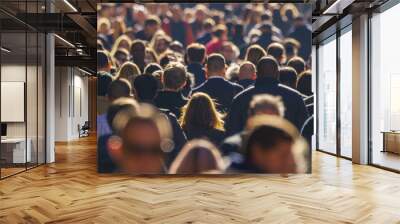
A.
x: 391, y: 141
x: 13, y: 150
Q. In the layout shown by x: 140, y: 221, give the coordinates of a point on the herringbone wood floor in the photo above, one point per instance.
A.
x: 70, y: 191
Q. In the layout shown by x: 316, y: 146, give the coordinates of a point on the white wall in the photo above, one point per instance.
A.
x: 71, y: 102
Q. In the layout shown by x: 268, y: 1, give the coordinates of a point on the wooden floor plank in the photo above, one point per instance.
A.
x: 71, y: 191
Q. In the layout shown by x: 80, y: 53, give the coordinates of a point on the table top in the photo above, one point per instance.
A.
x: 14, y: 140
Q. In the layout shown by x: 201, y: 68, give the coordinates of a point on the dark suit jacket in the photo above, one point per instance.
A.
x: 245, y: 83
x: 173, y: 101
x: 307, y: 132
x: 104, y: 162
x: 213, y: 135
x: 199, y: 73
x: 220, y: 90
x: 295, y: 109
x: 179, y: 137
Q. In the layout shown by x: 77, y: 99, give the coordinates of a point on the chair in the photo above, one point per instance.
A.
x: 84, y: 130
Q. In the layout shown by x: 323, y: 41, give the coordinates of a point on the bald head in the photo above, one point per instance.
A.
x: 247, y: 71
x: 268, y: 66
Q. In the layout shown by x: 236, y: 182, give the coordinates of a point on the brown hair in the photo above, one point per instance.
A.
x: 201, y: 111
x: 254, y: 54
x: 174, y: 76
x: 198, y: 156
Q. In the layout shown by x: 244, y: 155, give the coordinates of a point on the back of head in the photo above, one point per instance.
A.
x: 119, y: 88
x: 291, y: 46
x: 215, y: 63
x: 298, y: 64
x: 266, y: 104
x: 104, y: 80
x: 255, y: 53
x: 268, y: 67
x: 174, y: 76
x: 208, y: 24
x: 288, y: 76
x: 196, y: 53
x: 304, y: 83
x: 123, y: 105
x: 103, y: 61
x: 219, y: 31
x: 198, y: 157
x: 247, y: 70
x: 152, y: 67
x: 271, y: 146
x: 201, y: 112
x: 277, y: 51
x: 152, y: 21
x: 138, y: 49
x: 146, y: 87
x: 128, y: 70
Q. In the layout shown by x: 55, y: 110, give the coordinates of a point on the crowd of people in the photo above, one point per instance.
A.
x: 204, y: 88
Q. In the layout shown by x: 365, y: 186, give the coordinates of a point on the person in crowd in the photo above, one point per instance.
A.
x: 231, y: 53
x: 118, y: 28
x: 177, y: 28
x: 247, y: 74
x: 123, y: 42
x: 105, y: 163
x: 196, y: 56
x: 198, y: 157
x: 266, y: 82
x: 150, y: 56
x: 277, y: 51
x: 254, y: 53
x: 302, y: 33
x: 146, y: 87
x: 151, y: 26
x: 270, y: 148
x: 238, y: 39
x: 121, y: 56
x: 129, y: 71
x: 304, y: 86
x: 219, y: 37
x: 266, y: 35
x: 161, y: 44
x: 298, y: 64
x: 216, y: 86
x: 117, y: 89
x: 200, y: 119
x: 152, y: 67
x: 177, y: 47
x: 142, y: 141
x: 208, y: 26
x: 104, y: 80
x: 288, y: 77
x: 103, y: 62
x: 262, y: 104
x: 200, y: 17
x: 304, y: 83
x: 291, y: 48
x: 171, y: 98
x: 138, y: 52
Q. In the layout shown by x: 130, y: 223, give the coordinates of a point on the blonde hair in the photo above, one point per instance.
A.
x: 118, y: 42
x: 201, y: 111
x: 129, y: 71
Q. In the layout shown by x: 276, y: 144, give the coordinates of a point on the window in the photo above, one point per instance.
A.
x: 346, y: 93
x: 385, y: 89
x: 326, y: 98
